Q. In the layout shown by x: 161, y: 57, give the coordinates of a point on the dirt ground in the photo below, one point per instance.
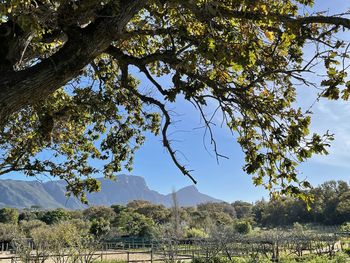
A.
x: 120, y: 255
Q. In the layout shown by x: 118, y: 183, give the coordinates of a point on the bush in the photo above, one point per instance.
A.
x: 341, y: 258
x: 346, y: 251
x: 195, y: 233
x: 243, y: 227
x: 345, y: 227
x: 9, y: 216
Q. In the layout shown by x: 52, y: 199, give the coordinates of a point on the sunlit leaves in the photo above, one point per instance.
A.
x: 244, y: 55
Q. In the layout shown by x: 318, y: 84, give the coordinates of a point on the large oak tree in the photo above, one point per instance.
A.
x: 68, y: 87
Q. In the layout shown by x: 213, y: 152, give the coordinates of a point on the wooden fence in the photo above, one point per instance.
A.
x: 123, y: 256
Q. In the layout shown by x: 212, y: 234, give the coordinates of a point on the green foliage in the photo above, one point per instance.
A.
x: 218, y: 213
x: 346, y: 251
x: 8, y: 232
x: 147, y: 220
x: 243, y: 227
x: 9, y: 216
x: 212, y: 260
x: 329, y: 206
x: 195, y: 233
x: 338, y: 258
x: 63, y: 240
x: 99, y: 212
x: 158, y: 213
x: 100, y: 227
x: 135, y: 224
x: 243, y: 209
x: 118, y: 208
x: 55, y: 216
x: 345, y: 227
x: 28, y: 226
x: 245, y: 56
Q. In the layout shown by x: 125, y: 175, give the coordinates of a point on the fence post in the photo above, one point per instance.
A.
x: 152, y: 255
x: 127, y: 257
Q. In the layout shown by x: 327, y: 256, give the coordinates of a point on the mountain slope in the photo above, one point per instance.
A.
x: 190, y: 195
x: 22, y: 194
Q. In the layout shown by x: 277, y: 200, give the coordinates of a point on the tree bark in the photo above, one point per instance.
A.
x: 22, y: 88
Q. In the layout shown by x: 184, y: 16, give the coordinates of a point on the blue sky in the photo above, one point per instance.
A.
x: 226, y: 180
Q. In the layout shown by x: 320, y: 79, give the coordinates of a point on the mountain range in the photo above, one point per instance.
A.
x: 52, y: 194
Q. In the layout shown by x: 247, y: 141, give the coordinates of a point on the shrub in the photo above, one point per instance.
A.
x: 195, y: 233
x: 345, y: 227
x: 243, y: 227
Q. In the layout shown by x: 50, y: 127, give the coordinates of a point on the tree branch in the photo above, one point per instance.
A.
x: 203, y: 14
x: 19, y: 89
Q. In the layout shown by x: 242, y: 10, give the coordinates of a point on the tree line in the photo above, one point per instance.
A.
x: 143, y: 219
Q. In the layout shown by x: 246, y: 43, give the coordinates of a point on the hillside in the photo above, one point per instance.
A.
x: 22, y: 194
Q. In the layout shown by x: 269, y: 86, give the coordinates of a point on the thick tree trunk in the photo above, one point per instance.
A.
x: 22, y: 88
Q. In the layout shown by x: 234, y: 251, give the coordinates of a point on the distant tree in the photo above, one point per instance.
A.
x: 243, y: 227
x: 195, y: 233
x: 134, y: 224
x: 97, y: 212
x: 9, y: 216
x: 135, y: 204
x: 8, y: 232
x: 330, y: 204
x: 343, y: 207
x: 158, y: 213
x: 275, y: 213
x: 55, y: 216
x: 28, y: 226
x: 345, y: 227
x: 243, y: 209
x: 221, y: 219
x: 118, y: 208
x: 258, y: 211
x: 27, y: 215
x: 83, y: 226
x: 43, y: 238
x: 100, y: 227
x: 297, y: 211
x: 200, y: 219
x: 175, y: 216
x: 76, y: 214
x: 217, y: 208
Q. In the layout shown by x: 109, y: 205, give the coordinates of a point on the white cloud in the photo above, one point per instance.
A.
x: 333, y: 116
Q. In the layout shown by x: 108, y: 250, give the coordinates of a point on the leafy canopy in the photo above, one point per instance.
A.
x: 92, y: 113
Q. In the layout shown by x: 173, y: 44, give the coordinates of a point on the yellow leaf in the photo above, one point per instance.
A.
x: 265, y: 93
x: 263, y: 9
x: 269, y: 35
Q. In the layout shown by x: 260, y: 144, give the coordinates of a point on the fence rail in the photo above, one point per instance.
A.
x: 127, y: 256
x: 143, y: 250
